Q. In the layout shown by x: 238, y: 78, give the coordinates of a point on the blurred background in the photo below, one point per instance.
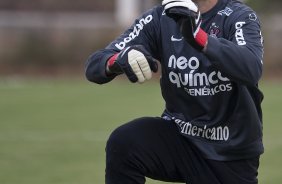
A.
x: 54, y: 124
x: 55, y: 37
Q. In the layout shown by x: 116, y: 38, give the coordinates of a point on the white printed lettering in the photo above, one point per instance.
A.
x: 219, y: 133
x: 135, y: 33
x: 239, y: 34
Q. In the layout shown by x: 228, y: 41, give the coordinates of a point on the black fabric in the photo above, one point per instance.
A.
x: 186, y: 19
x: 152, y: 147
x: 207, y: 93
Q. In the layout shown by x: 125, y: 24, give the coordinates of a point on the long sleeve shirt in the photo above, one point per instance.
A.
x: 212, y: 96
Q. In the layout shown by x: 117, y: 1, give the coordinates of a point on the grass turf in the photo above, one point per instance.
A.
x: 54, y: 131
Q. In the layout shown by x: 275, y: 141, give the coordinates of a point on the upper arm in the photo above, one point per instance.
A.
x: 239, y: 55
x: 245, y: 31
x: 144, y: 32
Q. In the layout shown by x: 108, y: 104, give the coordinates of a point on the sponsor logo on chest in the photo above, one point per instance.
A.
x: 185, y: 73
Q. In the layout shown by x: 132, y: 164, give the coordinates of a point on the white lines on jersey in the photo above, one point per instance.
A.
x: 198, y: 19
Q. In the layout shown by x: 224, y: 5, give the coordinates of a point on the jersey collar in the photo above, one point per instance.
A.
x: 219, y: 6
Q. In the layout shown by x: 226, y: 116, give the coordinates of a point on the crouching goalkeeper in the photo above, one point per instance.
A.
x: 211, y: 58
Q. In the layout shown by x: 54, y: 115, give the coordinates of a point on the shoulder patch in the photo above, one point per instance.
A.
x: 253, y: 16
x: 227, y: 11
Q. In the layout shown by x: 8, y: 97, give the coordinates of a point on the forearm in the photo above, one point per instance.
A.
x: 239, y: 63
x: 95, y: 68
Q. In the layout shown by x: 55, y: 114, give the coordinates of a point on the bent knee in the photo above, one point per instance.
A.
x: 119, y: 141
x: 118, y: 148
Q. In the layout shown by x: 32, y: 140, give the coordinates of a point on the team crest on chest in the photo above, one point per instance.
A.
x: 214, y: 30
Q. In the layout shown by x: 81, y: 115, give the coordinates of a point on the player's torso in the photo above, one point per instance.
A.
x: 207, y: 106
x: 190, y: 82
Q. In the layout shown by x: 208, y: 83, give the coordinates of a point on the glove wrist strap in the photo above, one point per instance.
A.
x: 110, y: 63
x: 201, y: 38
x: 112, y: 60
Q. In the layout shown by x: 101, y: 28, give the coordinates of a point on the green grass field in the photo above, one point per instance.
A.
x: 54, y: 131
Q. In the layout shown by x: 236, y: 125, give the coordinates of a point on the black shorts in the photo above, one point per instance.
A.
x: 153, y: 147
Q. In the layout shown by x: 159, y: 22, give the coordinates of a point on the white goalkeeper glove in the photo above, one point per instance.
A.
x: 135, y: 62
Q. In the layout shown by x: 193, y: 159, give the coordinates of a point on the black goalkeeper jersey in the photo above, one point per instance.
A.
x: 213, y: 97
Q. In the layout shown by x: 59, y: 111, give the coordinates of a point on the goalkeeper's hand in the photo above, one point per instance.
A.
x: 186, y: 13
x: 135, y: 62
